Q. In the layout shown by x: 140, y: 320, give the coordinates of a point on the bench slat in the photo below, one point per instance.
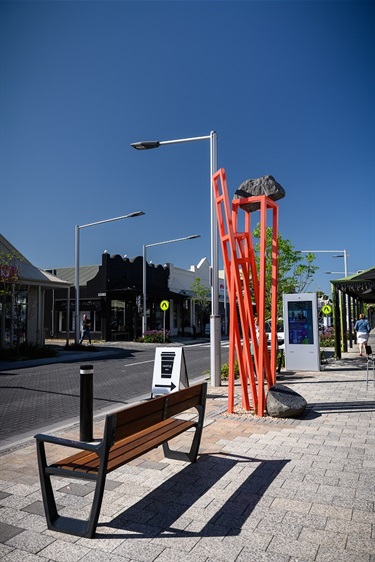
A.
x: 127, y: 425
x: 135, y: 448
x: 76, y: 460
x: 141, y: 416
x: 126, y: 449
x: 182, y: 406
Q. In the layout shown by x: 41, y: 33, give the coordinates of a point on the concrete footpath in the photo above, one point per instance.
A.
x: 262, y: 489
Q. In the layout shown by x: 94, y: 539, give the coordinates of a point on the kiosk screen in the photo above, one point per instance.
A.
x: 300, y: 322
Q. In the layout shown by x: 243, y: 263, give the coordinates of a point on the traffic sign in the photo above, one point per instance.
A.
x: 327, y: 309
x: 164, y: 305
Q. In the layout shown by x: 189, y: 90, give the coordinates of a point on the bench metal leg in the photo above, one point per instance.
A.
x: 46, y: 486
x: 61, y: 523
x: 97, y: 502
x: 191, y: 456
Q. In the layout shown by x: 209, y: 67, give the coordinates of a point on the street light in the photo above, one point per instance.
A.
x: 77, y: 229
x: 339, y: 254
x: 338, y: 272
x: 215, y: 332
x: 145, y: 246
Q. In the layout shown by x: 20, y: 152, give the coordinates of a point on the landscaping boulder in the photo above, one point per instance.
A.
x: 282, y: 402
x: 265, y: 185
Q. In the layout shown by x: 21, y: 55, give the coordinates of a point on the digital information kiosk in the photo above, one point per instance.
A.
x: 302, y: 349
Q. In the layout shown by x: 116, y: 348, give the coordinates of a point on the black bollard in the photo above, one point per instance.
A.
x: 86, y: 402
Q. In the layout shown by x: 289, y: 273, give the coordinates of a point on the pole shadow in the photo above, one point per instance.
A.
x: 343, y: 407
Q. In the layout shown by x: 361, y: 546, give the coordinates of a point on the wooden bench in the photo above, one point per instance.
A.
x: 128, y: 434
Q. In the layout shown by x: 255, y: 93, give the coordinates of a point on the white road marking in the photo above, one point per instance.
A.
x: 139, y: 363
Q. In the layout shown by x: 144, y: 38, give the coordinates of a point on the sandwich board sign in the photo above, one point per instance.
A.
x: 169, y: 370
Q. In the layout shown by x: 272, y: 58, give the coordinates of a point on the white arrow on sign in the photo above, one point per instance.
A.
x: 171, y: 386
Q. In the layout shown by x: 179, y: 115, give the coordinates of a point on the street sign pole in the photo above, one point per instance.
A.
x: 164, y: 305
x: 164, y: 326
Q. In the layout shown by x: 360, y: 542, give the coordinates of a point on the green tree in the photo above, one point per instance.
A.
x: 295, y: 270
x: 202, y: 302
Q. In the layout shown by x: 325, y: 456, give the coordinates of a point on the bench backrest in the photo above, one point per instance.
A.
x: 141, y: 416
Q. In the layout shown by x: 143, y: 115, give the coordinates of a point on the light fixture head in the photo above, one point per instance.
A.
x: 145, y: 145
x: 135, y: 214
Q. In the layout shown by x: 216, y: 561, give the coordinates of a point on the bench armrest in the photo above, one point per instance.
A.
x: 68, y: 442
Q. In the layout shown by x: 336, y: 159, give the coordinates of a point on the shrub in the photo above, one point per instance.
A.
x: 225, y: 371
x: 27, y: 350
x: 80, y: 347
x: 155, y: 336
x: 327, y: 338
x: 280, y: 355
x: 36, y: 351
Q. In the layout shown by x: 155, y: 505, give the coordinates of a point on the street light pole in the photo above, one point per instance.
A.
x: 339, y: 254
x: 77, y: 237
x: 215, y: 332
x: 144, y: 276
x: 215, y: 347
x: 345, y: 256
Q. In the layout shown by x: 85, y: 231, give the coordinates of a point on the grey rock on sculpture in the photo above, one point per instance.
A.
x: 282, y: 402
x: 265, y: 185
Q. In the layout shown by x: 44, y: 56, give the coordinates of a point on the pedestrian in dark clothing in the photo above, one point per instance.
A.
x: 86, y: 327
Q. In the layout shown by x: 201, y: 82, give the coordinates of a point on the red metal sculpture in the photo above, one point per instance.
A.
x: 246, y: 290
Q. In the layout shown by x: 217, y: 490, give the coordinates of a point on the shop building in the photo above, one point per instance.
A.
x: 23, y: 290
x: 111, y: 294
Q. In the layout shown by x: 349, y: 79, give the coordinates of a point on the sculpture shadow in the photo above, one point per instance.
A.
x: 158, y: 512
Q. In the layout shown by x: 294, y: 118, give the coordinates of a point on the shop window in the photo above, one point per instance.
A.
x: 118, y: 316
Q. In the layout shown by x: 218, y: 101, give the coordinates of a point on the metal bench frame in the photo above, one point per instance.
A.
x: 128, y: 434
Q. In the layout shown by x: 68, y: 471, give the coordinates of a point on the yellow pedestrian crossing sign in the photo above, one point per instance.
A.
x: 164, y: 305
x: 327, y: 309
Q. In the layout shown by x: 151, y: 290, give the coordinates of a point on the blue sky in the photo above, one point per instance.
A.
x: 289, y: 86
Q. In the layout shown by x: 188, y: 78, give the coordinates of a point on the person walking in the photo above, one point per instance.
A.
x: 86, y: 327
x: 362, y: 327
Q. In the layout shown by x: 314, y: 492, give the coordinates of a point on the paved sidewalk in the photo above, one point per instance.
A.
x: 262, y: 489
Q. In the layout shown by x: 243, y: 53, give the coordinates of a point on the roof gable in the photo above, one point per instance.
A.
x: 28, y: 273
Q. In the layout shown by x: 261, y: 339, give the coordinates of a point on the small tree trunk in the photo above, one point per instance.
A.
x: 3, y: 317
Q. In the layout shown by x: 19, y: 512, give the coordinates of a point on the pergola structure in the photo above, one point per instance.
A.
x: 360, y: 290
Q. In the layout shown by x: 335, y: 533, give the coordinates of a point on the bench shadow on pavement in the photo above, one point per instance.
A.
x: 159, y: 510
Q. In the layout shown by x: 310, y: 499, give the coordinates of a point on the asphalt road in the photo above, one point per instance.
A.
x: 39, y: 398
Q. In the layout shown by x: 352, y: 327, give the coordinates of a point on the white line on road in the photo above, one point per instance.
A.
x: 139, y: 363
